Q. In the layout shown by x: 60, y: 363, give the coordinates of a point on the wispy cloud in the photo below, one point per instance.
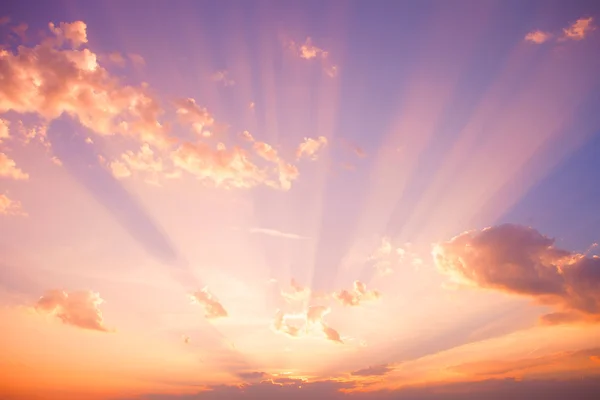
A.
x: 276, y: 233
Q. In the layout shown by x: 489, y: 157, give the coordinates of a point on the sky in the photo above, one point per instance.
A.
x: 312, y: 199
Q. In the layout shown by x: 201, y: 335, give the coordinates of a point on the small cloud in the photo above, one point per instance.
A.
x: 117, y: 59
x: 331, y: 70
x: 223, y: 78
x: 538, y: 37
x: 4, y: 20
x: 9, y: 169
x: 212, y: 308
x: 79, y: 308
x: 56, y: 161
x: 309, y: 51
x: 136, y: 59
x: 251, y: 106
x: 276, y: 233
x: 247, y: 136
x: 20, y: 30
x: 579, y: 29
x: 10, y: 207
x: 266, y: 151
x: 377, y: 370
x: 254, y: 376
x: 331, y: 334
x: 4, y: 131
x: 357, y: 295
x: 89, y: 140
x: 309, y: 147
x: 186, y: 339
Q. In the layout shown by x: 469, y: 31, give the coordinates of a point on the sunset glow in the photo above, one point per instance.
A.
x: 299, y: 200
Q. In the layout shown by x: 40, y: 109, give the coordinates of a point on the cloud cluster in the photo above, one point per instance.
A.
x: 79, y: 308
x: 519, y: 260
x: 56, y: 77
x: 212, y: 307
x: 61, y: 76
x: 357, y: 295
x: 223, y: 78
x: 578, y: 30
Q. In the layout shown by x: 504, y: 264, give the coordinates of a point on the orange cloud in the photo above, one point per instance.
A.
x: 520, y: 260
x: 222, y: 167
x: 142, y: 161
x: 8, y: 169
x: 10, y: 207
x: 309, y: 147
x: 276, y: 233
x: 117, y: 59
x: 357, y: 295
x: 192, y: 114
x: 212, y: 308
x: 266, y: 151
x: 579, y: 29
x: 79, y: 308
x: 49, y: 80
x: 538, y: 37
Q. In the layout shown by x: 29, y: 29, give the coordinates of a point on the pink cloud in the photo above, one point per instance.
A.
x: 10, y: 207
x: 309, y: 147
x: 579, y: 29
x: 538, y: 37
x: 212, y: 307
x: 79, y: 308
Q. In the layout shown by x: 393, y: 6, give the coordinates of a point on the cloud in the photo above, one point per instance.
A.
x: 519, y: 260
x: 567, y: 361
x: 4, y: 131
x: 79, y: 308
x: 74, y: 32
x: 357, y: 295
x: 305, y: 323
x: 117, y: 59
x: 143, y: 161
x: 222, y: 167
x: 223, y: 78
x: 266, y: 151
x: 253, y: 376
x: 212, y: 308
x: 186, y: 339
x: 579, y: 29
x: 297, y: 293
x: 309, y: 147
x: 193, y: 115
x: 136, y: 59
x: 8, y: 169
x: 309, y: 51
x: 10, y: 207
x: 50, y: 80
x: 376, y: 370
x: 276, y: 233
x: 4, y: 20
x: 538, y: 37
x: 386, y: 256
